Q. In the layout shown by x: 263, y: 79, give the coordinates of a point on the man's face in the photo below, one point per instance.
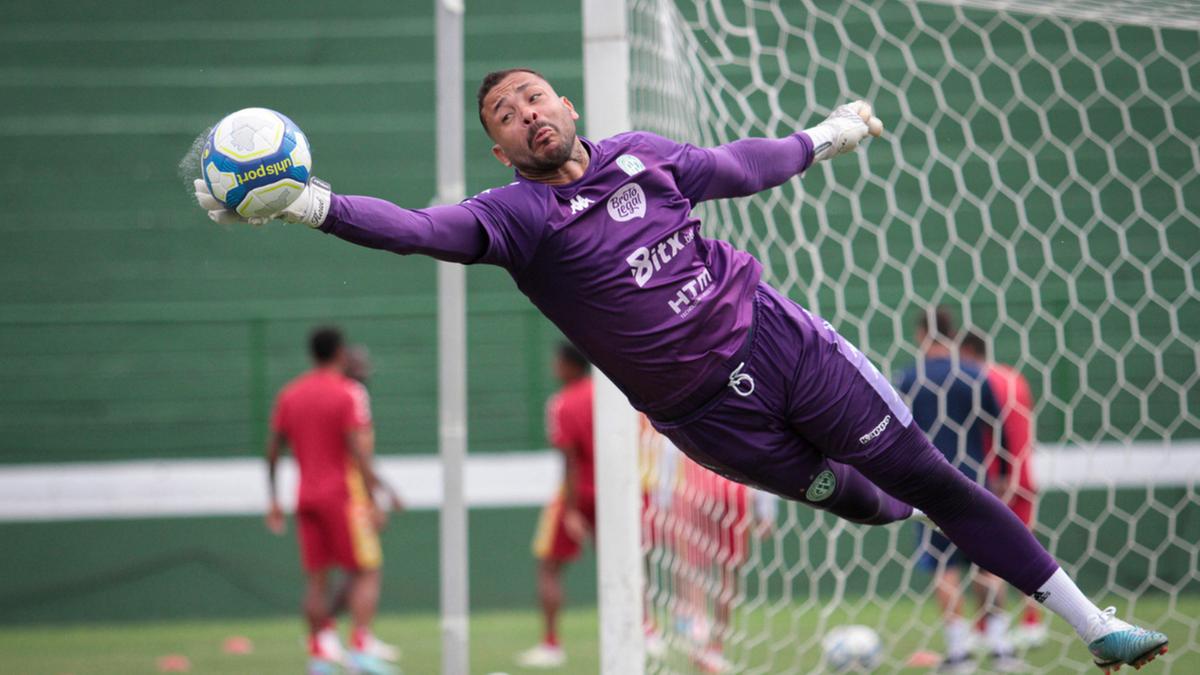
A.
x: 533, y: 127
x: 564, y: 370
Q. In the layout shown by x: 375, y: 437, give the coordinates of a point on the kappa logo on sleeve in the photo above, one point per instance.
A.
x: 630, y: 164
x: 628, y: 203
x: 874, y: 433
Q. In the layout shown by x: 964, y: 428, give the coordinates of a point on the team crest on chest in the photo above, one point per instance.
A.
x: 628, y: 203
x: 630, y: 164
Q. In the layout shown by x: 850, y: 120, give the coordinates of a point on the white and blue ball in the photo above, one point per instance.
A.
x: 256, y: 162
x: 856, y: 648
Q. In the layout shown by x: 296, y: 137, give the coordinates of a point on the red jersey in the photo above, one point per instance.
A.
x: 315, y: 412
x: 1015, y: 401
x: 569, y: 428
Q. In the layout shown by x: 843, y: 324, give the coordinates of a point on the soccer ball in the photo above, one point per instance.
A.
x: 256, y: 162
x: 852, y: 648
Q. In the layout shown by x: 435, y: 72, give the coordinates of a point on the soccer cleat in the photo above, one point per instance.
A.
x: 711, y: 660
x: 1006, y: 663
x: 380, y: 649
x: 957, y: 665
x: 542, y: 656
x: 1029, y: 635
x: 655, y: 646
x: 1114, y: 643
x: 318, y: 666
x: 362, y: 663
x: 326, y: 646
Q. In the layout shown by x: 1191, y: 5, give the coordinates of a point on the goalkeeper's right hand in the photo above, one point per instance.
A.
x: 310, y: 208
x: 846, y: 127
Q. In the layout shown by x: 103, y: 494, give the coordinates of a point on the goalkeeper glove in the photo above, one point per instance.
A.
x: 846, y: 127
x: 310, y: 208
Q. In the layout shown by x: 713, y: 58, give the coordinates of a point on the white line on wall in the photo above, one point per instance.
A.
x: 238, y: 486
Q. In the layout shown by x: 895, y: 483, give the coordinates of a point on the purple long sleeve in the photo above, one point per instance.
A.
x: 450, y: 233
x: 751, y: 165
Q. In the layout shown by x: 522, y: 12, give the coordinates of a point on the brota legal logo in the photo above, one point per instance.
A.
x: 628, y: 203
x: 874, y: 433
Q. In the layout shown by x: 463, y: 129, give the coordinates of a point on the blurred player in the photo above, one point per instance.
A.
x: 1011, y: 470
x: 599, y: 235
x: 358, y: 367
x: 325, y: 418
x: 569, y: 519
x: 709, y: 520
x: 953, y: 403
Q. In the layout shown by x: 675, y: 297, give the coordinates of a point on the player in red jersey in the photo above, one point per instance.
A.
x: 710, y: 519
x: 1011, y: 473
x: 325, y: 418
x: 569, y: 519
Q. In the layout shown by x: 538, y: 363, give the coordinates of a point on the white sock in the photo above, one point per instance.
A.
x: 995, y: 630
x: 957, y: 632
x: 1060, y: 595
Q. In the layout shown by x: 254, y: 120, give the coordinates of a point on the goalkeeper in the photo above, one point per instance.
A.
x: 599, y: 235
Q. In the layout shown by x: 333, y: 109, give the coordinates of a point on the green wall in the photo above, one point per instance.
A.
x: 216, y: 567
x: 131, y: 327
x: 199, y: 567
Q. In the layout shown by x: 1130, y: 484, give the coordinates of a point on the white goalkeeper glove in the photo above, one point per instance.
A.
x: 846, y: 127
x: 310, y: 208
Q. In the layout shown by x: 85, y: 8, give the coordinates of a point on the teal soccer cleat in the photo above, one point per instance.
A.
x: 318, y: 666
x: 362, y: 663
x: 1114, y: 643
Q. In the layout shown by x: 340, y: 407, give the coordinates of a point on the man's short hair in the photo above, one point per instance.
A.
x: 974, y: 342
x: 324, y: 343
x: 489, y: 83
x: 571, y: 354
x: 937, y: 322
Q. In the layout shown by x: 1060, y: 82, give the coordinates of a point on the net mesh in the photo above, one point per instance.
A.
x: 1039, y: 177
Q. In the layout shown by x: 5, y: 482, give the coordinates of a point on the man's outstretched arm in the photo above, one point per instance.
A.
x: 450, y: 233
x: 752, y: 165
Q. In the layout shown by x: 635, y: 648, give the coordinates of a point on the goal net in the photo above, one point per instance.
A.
x: 1038, y: 176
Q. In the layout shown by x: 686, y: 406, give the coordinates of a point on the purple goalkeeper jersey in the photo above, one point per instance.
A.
x: 615, y: 259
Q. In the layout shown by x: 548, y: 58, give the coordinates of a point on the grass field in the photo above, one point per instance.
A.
x: 132, y: 648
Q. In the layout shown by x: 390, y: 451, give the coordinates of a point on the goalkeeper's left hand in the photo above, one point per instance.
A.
x: 310, y: 208
x: 843, y: 130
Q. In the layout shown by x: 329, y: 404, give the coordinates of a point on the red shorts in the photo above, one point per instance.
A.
x: 552, y: 541
x: 338, y: 534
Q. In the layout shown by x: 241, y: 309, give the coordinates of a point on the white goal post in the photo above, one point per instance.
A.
x: 618, y: 502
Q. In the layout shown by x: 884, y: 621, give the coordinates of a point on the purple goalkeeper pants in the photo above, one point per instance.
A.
x: 808, y: 417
